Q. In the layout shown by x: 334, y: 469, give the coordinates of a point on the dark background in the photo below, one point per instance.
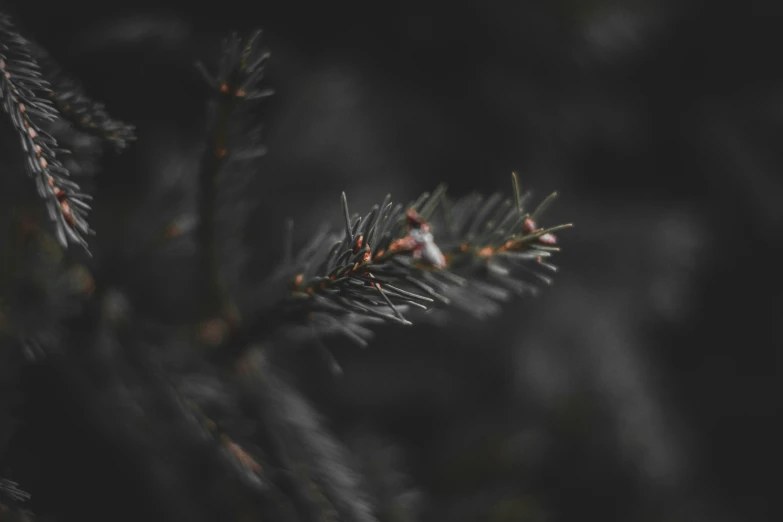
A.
x: 641, y: 386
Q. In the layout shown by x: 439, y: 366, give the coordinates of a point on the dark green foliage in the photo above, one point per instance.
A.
x: 198, y: 399
x: 10, y: 490
x: 22, y: 87
x: 232, y: 145
x: 340, y: 282
x: 11, y: 501
x: 73, y: 104
x: 312, y: 465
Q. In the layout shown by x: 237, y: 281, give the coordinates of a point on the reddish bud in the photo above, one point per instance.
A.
x: 241, y: 455
x: 66, y: 210
x: 213, y: 331
x: 172, y: 231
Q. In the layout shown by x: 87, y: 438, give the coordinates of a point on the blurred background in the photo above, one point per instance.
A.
x: 643, y: 386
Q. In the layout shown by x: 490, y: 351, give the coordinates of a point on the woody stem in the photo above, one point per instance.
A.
x: 217, y: 297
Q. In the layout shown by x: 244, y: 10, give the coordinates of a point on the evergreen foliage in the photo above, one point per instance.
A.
x: 203, y: 393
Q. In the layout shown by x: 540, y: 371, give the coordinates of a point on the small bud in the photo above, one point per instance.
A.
x: 241, y: 455
x: 213, y: 331
x: 172, y: 231
x: 66, y: 210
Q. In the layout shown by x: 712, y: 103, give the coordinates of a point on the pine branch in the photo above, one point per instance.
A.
x: 243, y: 464
x: 10, y: 490
x: 87, y: 115
x: 317, y: 473
x: 10, y: 498
x: 388, y: 262
x: 236, y: 86
x: 20, y: 81
x: 173, y: 413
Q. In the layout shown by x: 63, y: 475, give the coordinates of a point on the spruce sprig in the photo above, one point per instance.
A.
x: 391, y: 260
x: 10, y: 499
x: 236, y: 87
x: 319, y: 475
x: 86, y: 114
x: 377, y: 268
x: 21, y: 86
x: 10, y: 489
